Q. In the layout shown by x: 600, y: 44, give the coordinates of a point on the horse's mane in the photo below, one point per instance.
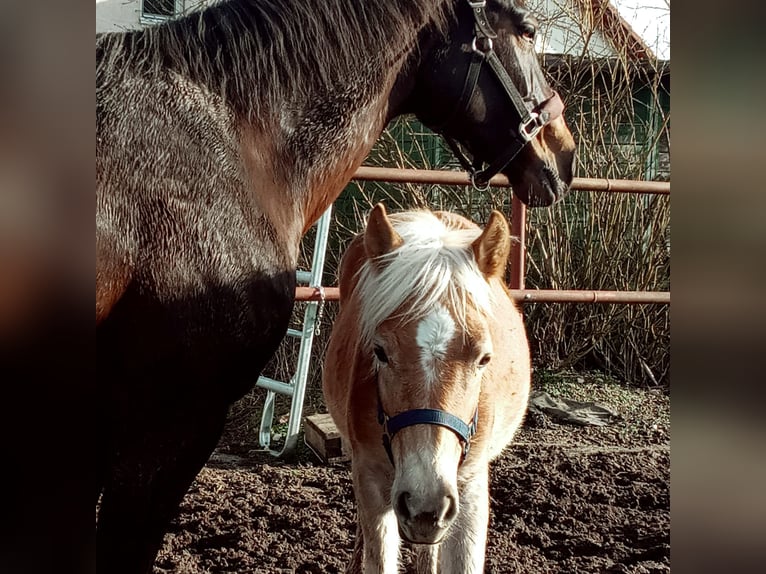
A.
x: 267, y: 52
x: 434, y: 261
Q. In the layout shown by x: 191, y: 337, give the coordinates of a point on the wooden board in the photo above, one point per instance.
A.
x: 322, y: 436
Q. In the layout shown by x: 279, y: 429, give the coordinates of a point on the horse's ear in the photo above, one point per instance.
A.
x: 492, y: 247
x: 380, y: 237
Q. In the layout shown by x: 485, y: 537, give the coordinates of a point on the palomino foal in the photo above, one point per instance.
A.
x: 427, y: 376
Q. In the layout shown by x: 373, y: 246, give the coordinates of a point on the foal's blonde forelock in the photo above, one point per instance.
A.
x: 434, y: 264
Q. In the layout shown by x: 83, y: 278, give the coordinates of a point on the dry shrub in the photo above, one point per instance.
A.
x: 611, y: 241
x: 602, y: 242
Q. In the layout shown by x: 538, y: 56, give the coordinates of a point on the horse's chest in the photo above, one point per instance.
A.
x: 220, y: 334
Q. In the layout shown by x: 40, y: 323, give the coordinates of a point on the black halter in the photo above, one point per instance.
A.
x: 392, y: 425
x: 531, y: 121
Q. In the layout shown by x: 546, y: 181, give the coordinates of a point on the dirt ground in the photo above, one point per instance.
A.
x: 564, y: 498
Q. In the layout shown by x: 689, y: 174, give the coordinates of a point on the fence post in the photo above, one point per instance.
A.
x: 518, y: 245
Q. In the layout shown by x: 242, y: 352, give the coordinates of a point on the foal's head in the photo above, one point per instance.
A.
x: 425, y: 320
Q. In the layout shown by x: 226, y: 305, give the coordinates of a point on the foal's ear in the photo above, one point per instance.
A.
x: 492, y: 247
x: 380, y: 237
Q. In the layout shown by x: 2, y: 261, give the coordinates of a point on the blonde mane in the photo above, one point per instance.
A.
x: 434, y: 263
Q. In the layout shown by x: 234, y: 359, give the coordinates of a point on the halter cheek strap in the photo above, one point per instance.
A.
x: 392, y: 425
x: 528, y: 128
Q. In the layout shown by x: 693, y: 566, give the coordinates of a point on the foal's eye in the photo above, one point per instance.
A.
x: 380, y: 354
x: 485, y: 360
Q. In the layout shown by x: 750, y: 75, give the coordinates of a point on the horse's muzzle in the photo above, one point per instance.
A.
x: 424, y: 520
x: 542, y: 190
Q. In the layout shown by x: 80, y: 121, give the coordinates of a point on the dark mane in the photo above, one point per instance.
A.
x: 257, y: 53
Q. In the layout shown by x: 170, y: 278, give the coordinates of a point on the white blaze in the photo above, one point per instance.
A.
x: 435, y: 331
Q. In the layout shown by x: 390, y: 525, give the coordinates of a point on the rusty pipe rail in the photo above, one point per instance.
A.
x: 518, y: 227
x: 447, y: 177
x: 528, y: 296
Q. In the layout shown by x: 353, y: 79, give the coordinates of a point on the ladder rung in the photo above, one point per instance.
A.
x: 275, y: 386
x: 295, y: 333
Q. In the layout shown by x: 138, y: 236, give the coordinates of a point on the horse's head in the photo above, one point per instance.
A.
x: 482, y: 86
x: 425, y: 321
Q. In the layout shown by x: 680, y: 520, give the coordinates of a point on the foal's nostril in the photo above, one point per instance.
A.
x: 401, y: 505
x: 451, y: 512
x: 446, y: 511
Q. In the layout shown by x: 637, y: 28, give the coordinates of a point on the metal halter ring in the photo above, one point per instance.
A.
x: 475, y: 186
x: 475, y: 46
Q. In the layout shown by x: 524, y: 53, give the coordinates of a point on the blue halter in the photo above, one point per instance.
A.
x: 392, y: 425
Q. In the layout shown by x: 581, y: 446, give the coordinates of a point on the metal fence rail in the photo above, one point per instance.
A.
x: 316, y: 293
x: 529, y: 296
x: 445, y: 177
x: 518, y: 229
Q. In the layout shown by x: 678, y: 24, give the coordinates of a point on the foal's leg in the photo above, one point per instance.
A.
x: 463, y: 549
x: 148, y: 479
x: 355, y: 566
x: 372, y: 490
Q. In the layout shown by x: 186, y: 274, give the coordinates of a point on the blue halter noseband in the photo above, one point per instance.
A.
x: 392, y: 425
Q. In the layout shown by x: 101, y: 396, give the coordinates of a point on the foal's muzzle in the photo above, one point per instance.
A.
x: 425, y: 512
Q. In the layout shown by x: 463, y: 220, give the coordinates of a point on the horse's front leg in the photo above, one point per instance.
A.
x: 377, y: 522
x: 464, y: 547
x: 154, y: 463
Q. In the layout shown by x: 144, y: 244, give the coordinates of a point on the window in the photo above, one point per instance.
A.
x: 159, y: 10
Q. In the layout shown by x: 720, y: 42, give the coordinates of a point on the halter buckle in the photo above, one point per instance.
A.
x: 531, y: 127
x: 475, y: 46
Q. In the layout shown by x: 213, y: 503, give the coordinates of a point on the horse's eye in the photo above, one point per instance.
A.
x: 380, y: 354
x: 528, y: 31
x: 485, y: 360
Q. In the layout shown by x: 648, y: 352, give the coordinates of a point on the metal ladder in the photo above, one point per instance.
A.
x: 296, y: 387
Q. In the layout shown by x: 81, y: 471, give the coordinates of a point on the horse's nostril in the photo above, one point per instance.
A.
x: 401, y: 505
x: 451, y: 512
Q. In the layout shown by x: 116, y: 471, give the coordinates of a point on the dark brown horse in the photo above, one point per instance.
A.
x: 221, y: 137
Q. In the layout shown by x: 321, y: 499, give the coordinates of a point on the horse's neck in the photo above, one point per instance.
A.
x: 321, y: 134
x: 310, y: 151
x: 330, y: 156
x: 309, y: 89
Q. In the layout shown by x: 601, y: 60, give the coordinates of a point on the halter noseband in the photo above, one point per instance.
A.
x: 531, y: 121
x: 392, y: 425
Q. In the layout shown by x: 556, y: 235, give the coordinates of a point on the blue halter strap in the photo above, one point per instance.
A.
x: 392, y: 425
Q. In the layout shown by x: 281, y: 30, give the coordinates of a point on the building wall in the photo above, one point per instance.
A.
x: 121, y: 15
x: 117, y: 15
x: 564, y: 31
